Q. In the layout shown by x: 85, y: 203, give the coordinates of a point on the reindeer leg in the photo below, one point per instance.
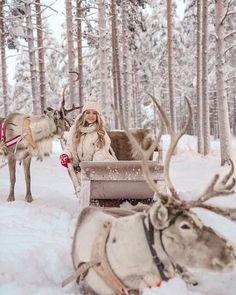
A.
x: 26, y: 164
x: 12, y: 173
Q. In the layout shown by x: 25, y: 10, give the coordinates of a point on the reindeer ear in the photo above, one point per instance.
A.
x: 159, y: 215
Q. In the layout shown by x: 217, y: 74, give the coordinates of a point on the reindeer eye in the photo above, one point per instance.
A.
x: 185, y: 226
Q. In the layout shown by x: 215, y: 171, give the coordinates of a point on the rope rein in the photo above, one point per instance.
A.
x: 99, y: 261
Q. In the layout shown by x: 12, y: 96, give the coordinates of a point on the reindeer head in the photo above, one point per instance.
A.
x: 185, y: 238
x: 188, y: 241
x: 60, y: 117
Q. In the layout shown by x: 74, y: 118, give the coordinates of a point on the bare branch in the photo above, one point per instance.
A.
x: 230, y: 34
x: 226, y: 12
x: 229, y: 48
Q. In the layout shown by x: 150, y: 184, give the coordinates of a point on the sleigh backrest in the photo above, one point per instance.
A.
x: 110, y: 183
x: 122, y: 147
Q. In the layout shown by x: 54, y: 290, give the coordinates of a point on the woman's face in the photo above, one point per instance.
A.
x: 90, y: 116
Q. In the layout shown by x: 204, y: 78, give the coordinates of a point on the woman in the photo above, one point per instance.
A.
x: 87, y: 139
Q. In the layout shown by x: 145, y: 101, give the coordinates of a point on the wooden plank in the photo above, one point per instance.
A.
x: 117, y: 180
x: 120, y: 170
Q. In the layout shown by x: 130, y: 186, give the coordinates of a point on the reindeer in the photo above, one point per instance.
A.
x: 23, y: 136
x: 117, y: 251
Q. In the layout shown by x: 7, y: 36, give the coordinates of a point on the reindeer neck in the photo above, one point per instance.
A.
x: 42, y: 127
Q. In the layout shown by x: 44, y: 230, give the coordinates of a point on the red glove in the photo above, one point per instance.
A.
x: 65, y: 160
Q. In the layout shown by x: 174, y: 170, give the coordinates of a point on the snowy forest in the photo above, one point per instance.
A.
x: 124, y: 50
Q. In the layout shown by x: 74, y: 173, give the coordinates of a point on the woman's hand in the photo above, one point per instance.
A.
x: 65, y: 160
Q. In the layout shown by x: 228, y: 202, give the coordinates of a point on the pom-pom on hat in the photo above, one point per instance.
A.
x: 92, y: 104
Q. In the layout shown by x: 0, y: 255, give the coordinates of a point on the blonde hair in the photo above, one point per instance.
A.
x: 99, y: 127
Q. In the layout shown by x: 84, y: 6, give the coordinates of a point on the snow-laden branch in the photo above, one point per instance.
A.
x: 229, y: 48
x: 226, y: 13
x: 213, y: 35
x: 230, y: 34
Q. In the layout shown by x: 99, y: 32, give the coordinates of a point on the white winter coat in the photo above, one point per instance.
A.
x: 87, y: 149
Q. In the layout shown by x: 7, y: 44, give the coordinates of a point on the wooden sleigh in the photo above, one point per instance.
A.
x: 111, y: 183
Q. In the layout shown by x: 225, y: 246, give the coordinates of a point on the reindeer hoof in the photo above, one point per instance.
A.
x: 10, y: 199
x: 29, y: 198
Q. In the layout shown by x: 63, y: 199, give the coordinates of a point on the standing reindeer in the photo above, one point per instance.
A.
x: 22, y: 137
x: 116, y: 251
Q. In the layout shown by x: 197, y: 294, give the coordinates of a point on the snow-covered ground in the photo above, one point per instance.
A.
x: 35, y: 239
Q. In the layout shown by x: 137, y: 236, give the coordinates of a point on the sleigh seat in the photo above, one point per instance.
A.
x: 111, y: 183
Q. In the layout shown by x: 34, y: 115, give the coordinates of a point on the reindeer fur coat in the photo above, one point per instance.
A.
x: 87, y: 149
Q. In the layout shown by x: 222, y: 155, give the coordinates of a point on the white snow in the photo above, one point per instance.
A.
x: 35, y: 239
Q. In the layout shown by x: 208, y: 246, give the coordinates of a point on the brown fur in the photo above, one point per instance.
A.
x: 122, y: 147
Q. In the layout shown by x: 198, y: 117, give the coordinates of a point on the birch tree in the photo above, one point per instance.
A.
x: 102, y: 52
x: 115, y: 64
x: 205, y: 103
x: 32, y: 58
x: 170, y: 64
x: 125, y: 52
x: 199, y: 76
x: 223, y: 114
x: 70, y: 49
x: 41, y: 63
x: 79, y: 49
x: 3, y: 60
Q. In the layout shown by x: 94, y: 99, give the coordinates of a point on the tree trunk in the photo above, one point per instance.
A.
x: 3, y: 60
x: 32, y: 58
x: 134, y: 98
x: 41, y: 63
x: 114, y: 61
x: 170, y: 64
x: 223, y: 113
x: 215, y: 117
x: 199, y: 76
x: 70, y: 50
x: 205, y: 103
x: 79, y: 49
x: 125, y: 59
x: 102, y: 54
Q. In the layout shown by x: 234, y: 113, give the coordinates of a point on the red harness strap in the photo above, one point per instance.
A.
x: 2, y: 133
x: 9, y: 142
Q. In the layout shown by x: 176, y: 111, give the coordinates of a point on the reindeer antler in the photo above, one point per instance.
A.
x: 217, y: 188
x: 63, y: 96
x: 175, y: 137
x: 145, y: 154
x: 66, y: 86
x: 229, y: 213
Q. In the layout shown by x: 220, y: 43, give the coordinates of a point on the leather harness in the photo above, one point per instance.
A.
x: 100, y: 263
x: 26, y: 133
x: 149, y: 233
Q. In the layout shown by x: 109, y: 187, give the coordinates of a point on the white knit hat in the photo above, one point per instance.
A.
x: 92, y: 104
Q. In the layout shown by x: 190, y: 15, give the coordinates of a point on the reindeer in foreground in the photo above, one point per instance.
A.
x: 23, y: 136
x: 118, y: 251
